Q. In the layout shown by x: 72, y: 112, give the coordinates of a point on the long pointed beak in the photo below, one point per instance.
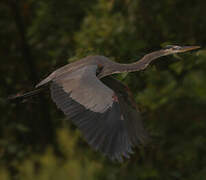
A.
x: 188, y: 48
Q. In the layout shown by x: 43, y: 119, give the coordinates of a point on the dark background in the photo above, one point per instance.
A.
x: 36, y: 37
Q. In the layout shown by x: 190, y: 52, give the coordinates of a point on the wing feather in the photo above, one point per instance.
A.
x: 131, y: 114
x: 89, y: 103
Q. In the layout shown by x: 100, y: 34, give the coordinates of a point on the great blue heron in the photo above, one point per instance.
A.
x: 102, y: 108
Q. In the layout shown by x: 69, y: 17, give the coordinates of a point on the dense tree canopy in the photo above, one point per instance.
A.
x: 36, y: 140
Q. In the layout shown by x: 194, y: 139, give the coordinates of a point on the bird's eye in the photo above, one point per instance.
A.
x: 173, y: 47
x: 176, y: 47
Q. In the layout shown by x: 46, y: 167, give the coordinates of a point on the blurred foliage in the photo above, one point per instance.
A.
x: 39, y: 36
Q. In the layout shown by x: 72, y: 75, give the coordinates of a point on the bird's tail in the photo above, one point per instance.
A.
x: 27, y: 95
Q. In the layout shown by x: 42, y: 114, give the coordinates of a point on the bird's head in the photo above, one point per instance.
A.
x: 172, y: 49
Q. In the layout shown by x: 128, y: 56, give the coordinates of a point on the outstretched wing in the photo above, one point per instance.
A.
x: 95, y: 109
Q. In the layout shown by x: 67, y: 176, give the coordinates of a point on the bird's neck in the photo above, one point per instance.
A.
x: 139, y: 65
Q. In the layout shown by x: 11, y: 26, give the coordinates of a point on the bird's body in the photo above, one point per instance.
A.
x: 100, y: 61
x: 99, y: 105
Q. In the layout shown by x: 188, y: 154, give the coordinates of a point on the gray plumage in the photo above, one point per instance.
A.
x: 99, y: 105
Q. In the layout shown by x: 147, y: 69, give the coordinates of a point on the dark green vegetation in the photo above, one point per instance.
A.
x: 37, y: 37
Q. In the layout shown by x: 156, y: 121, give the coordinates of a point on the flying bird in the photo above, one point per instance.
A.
x: 99, y: 105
